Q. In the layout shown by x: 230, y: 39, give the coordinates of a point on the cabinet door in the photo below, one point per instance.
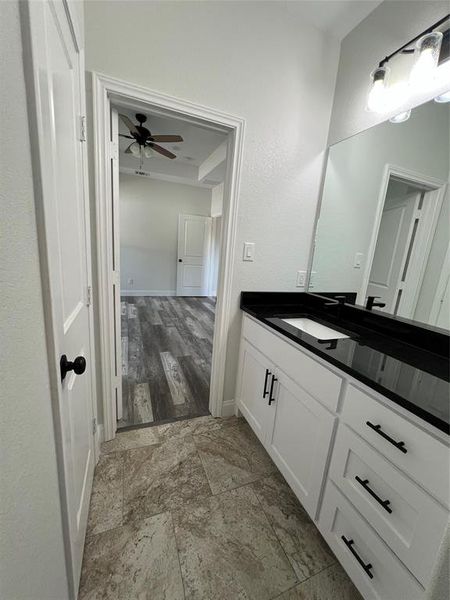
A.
x: 300, y: 440
x: 254, y: 379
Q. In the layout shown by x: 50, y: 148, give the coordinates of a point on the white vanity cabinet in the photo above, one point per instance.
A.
x: 374, y: 477
x: 293, y: 426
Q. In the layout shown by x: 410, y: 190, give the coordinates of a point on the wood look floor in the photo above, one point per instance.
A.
x: 166, y: 358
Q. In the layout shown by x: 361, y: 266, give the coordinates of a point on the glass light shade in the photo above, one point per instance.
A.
x: 377, y: 99
x: 401, y: 117
x: 427, y: 55
x: 148, y: 152
x: 443, y: 98
x: 135, y: 149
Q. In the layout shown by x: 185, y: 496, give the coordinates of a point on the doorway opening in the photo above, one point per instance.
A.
x: 406, y: 243
x: 170, y: 205
x: 183, y: 319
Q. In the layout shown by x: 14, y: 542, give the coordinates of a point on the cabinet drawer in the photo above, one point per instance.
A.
x: 372, y: 566
x: 408, y: 519
x: 317, y: 380
x: 414, y: 451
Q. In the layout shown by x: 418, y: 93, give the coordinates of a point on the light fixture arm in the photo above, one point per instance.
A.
x: 405, y: 50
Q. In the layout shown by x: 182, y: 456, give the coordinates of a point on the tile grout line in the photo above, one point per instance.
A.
x: 307, y: 579
x: 276, y: 537
x: 178, y: 552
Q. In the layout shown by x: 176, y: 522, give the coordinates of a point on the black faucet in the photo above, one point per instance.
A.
x: 337, y: 301
x: 371, y: 303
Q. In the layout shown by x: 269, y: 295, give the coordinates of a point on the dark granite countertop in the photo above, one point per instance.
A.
x: 406, y: 363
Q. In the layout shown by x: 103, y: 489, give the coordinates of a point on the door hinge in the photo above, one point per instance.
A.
x: 82, y: 128
x: 94, y: 426
x: 89, y: 296
x: 114, y: 150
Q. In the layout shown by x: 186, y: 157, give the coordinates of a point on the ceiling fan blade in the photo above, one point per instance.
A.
x: 167, y: 138
x: 162, y: 151
x: 129, y: 124
x: 130, y: 137
x: 128, y: 151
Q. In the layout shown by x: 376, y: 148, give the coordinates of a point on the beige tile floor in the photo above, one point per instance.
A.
x: 196, y: 510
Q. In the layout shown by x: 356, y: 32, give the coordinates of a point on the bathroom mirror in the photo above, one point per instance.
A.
x: 383, y: 227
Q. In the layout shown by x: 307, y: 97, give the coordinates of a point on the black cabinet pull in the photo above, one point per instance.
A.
x: 377, y: 428
x: 349, y: 544
x: 265, y: 392
x: 365, y: 485
x: 271, y: 398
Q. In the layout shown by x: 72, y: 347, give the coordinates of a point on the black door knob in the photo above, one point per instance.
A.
x: 78, y: 366
x: 180, y: 260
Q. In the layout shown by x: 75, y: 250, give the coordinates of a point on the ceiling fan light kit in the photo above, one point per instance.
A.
x: 144, y: 145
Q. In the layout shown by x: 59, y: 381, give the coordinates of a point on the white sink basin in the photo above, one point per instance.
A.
x: 321, y: 332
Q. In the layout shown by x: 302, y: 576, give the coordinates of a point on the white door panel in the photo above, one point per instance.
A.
x: 194, y: 244
x: 393, y: 235
x: 59, y: 95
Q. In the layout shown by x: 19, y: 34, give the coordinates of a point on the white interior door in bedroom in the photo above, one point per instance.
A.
x: 194, y: 247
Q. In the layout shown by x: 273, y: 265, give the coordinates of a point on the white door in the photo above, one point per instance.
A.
x: 59, y: 151
x: 253, y: 389
x: 194, y: 243
x: 114, y: 265
x: 440, y: 310
x: 300, y: 440
x: 393, y: 234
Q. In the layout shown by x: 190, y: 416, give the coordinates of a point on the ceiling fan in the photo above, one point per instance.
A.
x: 144, y: 141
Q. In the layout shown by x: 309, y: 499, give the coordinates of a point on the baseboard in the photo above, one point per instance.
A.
x: 228, y: 408
x: 148, y: 292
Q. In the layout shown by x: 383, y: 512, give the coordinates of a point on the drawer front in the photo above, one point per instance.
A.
x: 372, y: 566
x: 408, y: 519
x: 414, y: 451
x: 317, y: 380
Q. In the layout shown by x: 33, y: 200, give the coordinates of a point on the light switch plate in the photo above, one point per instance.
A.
x: 301, y: 279
x: 358, y: 260
x: 249, y: 251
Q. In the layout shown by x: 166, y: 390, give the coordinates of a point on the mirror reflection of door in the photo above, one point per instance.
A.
x: 395, y: 235
x: 407, y: 227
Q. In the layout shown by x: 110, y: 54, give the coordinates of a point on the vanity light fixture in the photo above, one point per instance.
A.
x: 377, y: 99
x: 424, y: 69
x: 385, y: 97
x: 401, y: 117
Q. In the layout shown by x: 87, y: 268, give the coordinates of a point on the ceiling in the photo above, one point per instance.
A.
x: 335, y: 17
x: 199, y: 143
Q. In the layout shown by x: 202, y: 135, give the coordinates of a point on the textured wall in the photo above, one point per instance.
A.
x: 389, y: 26
x: 31, y: 546
x: 259, y: 63
x: 149, y: 210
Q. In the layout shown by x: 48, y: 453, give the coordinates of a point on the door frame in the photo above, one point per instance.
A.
x: 106, y: 89
x: 30, y: 19
x: 425, y: 181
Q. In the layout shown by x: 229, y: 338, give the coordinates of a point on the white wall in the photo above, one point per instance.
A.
x: 389, y: 26
x: 352, y: 186
x: 32, y: 562
x: 149, y: 210
x: 256, y: 61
